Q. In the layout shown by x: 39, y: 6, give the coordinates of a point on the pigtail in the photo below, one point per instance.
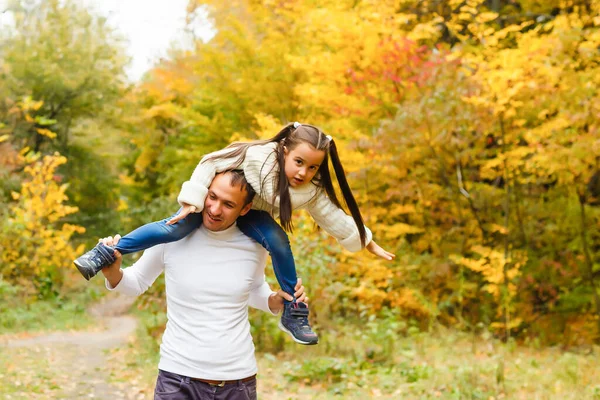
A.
x: 282, y: 186
x: 283, y: 189
x: 238, y: 149
x: 325, y: 181
x: 346, y: 192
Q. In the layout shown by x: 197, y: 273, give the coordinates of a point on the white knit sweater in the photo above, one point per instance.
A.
x: 210, y: 278
x: 260, y: 168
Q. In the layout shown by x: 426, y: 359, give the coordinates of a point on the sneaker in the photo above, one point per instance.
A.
x: 294, y: 321
x: 94, y: 260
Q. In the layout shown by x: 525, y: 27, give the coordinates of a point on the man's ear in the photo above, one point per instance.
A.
x: 246, y: 208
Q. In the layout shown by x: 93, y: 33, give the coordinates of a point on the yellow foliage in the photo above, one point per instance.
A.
x: 46, y: 132
x: 409, y: 303
x: 34, y: 241
x: 498, y: 228
x: 166, y: 111
x: 427, y: 31
x: 375, y: 278
x: 27, y: 104
x: 497, y: 270
x: 370, y: 296
x: 267, y: 126
x: 401, y: 209
x: 399, y: 229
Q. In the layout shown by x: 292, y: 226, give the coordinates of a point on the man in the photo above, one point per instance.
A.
x: 211, y: 276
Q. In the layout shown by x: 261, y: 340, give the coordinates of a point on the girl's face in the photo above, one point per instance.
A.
x: 302, y: 163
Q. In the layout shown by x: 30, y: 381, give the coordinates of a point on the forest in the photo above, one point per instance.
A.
x: 470, y: 134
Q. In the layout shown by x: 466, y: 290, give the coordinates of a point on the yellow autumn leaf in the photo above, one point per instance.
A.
x: 122, y: 205
x: 400, y: 229
x: 465, y: 16
x: 498, y: 228
x: 46, y: 132
x: 487, y: 17
x: 401, y: 209
x: 37, y: 105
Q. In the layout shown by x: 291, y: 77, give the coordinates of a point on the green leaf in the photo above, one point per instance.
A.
x: 44, y: 121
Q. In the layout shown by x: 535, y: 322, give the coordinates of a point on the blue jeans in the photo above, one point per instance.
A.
x: 258, y: 225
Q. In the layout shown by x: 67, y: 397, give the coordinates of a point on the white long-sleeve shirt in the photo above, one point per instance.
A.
x: 211, y: 278
x: 260, y: 168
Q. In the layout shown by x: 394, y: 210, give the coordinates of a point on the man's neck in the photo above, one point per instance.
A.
x: 223, y: 233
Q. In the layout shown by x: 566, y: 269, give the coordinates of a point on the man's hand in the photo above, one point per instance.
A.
x: 185, y: 211
x: 276, y: 299
x: 379, y: 252
x: 113, y: 272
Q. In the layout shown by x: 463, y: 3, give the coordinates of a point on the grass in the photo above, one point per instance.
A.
x: 437, y: 367
x: 449, y: 366
x: 443, y: 365
x: 27, y: 374
x: 60, y: 312
x: 370, y: 360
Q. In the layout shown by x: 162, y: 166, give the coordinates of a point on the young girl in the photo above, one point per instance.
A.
x: 289, y: 171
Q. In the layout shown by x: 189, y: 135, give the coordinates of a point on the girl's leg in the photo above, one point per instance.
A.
x: 260, y: 226
x: 142, y: 238
x: 158, y: 232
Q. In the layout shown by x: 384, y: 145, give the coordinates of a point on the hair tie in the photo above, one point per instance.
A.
x: 329, y: 137
x: 297, y: 124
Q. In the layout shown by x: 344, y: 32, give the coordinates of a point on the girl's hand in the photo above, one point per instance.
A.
x: 185, y: 211
x: 378, y: 251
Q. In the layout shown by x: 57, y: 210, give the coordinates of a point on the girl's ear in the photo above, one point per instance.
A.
x: 285, y: 150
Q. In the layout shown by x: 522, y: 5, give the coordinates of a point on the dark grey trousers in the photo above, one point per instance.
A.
x: 170, y: 386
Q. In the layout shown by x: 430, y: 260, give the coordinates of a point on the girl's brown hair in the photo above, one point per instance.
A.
x: 290, y: 137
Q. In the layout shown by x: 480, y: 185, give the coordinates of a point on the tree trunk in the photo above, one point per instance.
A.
x: 518, y: 197
x: 588, y: 260
x: 506, y: 293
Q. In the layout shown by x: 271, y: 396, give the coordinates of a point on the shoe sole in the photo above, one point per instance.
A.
x: 83, y: 270
x: 284, y: 329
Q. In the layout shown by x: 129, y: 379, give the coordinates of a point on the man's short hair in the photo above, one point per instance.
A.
x: 239, y: 179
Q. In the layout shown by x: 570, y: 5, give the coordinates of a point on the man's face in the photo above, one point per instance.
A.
x: 224, y: 204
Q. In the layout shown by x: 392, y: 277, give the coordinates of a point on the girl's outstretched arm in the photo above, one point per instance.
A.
x: 379, y: 252
x: 337, y: 223
x: 341, y: 226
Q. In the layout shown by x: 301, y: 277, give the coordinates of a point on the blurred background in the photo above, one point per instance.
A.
x: 469, y: 131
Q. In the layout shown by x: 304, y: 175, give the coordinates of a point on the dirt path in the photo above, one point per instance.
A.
x: 77, y: 360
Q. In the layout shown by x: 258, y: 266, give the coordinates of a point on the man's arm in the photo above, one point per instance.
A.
x: 260, y: 297
x: 113, y: 273
x: 136, y: 279
x: 263, y: 298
